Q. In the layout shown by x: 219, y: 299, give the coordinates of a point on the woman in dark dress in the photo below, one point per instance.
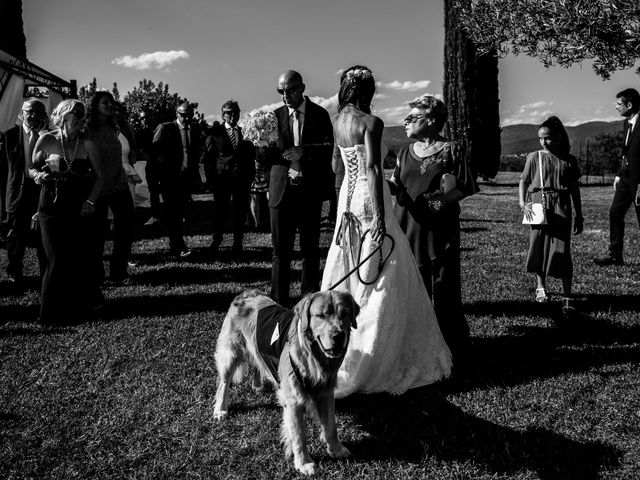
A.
x: 64, y: 163
x: 429, y: 180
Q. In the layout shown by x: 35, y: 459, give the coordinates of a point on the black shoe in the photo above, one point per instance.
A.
x: 15, y: 278
x: 119, y: 281
x: 607, y: 260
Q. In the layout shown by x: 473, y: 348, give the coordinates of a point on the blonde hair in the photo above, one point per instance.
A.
x: 62, y: 110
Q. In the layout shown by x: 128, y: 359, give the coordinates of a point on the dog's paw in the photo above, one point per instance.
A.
x: 220, y: 415
x: 338, y: 451
x: 307, y: 468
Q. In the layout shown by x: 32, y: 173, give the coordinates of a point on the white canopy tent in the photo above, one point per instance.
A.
x: 18, y: 74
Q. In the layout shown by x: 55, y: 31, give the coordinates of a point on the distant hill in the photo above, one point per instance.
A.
x: 521, y: 138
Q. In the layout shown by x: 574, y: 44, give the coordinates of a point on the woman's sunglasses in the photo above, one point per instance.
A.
x: 412, y: 118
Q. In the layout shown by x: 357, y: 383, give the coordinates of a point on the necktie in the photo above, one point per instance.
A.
x: 296, y: 128
x: 185, y: 157
x: 233, y: 137
x: 186, y: 137
x: 629, y: 130
x: 33, y: 138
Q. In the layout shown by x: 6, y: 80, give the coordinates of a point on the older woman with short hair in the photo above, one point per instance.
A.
x: 430, y: 178
x: 65, y: 164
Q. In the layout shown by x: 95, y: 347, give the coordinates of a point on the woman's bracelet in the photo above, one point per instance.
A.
x: 93, y: 204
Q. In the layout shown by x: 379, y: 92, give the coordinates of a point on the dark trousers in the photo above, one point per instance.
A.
x: 20, y: 235
x: 121, y: 205
x: 153, y: 184
x: 444, y: 285
x: 231, y: 195
x: 623, y: 198
x: 295, y: 213
x: 175, y: 196
x: 70, y: 281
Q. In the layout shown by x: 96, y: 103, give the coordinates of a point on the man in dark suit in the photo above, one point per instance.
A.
x: 177, y: 148
x: 625, y: 184
x: 229, y: 163
x: 22, y: 194
x: 300, y: 180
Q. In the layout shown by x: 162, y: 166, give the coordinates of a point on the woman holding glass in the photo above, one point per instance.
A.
x: 64, y: 164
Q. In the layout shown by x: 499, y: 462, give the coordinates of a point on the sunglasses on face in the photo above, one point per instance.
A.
x: 288, y: 91
x: 412, y: 118
x: 79, y: 114
x: 231, y: 112
x: 185, y: 114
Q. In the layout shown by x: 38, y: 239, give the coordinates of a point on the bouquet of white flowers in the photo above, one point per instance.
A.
x: 260, y: 127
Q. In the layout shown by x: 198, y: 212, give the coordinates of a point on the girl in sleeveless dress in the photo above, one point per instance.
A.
x: 398, y: 344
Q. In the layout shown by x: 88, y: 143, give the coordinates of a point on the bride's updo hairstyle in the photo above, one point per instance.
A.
x: 433, y: 108
x: 357, y: 87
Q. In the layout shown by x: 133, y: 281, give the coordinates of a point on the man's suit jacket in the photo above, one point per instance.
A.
x: 220, y: 158
x: 18, y: 183
x: 315, y: 165
x: 629, y: 170
x: 168, y: 152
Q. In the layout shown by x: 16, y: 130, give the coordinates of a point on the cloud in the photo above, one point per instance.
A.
x: 392, y: 115
x: 406, y: 86
x: 329, y: 104
x: 534, y: 112
x: 147, y: 61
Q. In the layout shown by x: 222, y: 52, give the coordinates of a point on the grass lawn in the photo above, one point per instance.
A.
x: 132, y: 396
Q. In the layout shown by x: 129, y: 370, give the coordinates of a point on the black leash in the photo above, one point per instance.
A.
x: 362, y: 262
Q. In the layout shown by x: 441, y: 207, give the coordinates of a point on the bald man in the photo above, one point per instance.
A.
x: 22, y: 194
x: 300, y: 180
x: 177, y: 147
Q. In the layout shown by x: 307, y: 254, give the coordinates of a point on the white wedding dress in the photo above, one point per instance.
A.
x: 398, y: 344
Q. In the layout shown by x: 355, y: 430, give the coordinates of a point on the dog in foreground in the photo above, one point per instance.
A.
x: 299, y: 350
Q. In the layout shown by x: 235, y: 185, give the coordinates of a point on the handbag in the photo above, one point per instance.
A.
x: 538, y: 210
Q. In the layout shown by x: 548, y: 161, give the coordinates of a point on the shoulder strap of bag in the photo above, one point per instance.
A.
x: 541, y: 175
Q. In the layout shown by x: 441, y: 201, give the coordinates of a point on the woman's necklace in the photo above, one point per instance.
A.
x: 426, y: 151
x: 64, y: 151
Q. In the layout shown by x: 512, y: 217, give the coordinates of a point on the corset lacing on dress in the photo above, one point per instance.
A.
x: 350, y: 230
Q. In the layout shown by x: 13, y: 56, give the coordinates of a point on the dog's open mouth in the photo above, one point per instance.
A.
x: 332, y: 352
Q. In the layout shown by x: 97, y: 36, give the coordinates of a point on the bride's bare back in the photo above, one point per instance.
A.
x: 355, y: 127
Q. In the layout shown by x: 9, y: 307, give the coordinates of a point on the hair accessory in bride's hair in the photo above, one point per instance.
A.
x: 359, y: 73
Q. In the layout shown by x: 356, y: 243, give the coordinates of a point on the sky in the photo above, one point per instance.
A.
x: 210, y: 51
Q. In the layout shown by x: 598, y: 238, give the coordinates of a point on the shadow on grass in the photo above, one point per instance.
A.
x: 193, y: 275
x: 419, y: 425
x: 534, y: 353
x: 485, y: 220
x: 589, y: 303
x: 19, y: 313
x: 167, y: 305
x: 611, y: 303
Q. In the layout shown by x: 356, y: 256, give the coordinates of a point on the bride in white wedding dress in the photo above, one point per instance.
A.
x: 398, y: 344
